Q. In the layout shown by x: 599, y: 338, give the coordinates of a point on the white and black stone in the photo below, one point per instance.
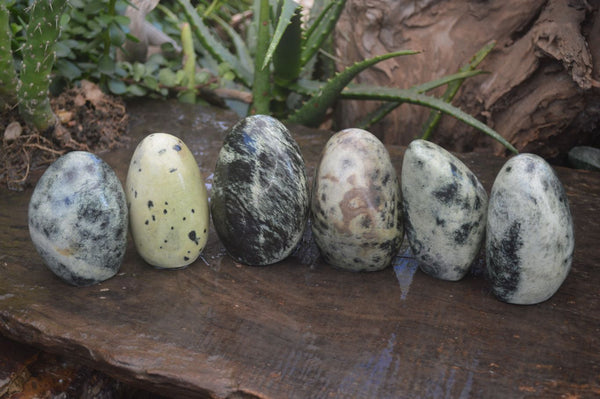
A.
x: 445, y: 209
x: 78, y: 219
x: 356, y: 207
x: 260, y: 197
x: 530, y: 238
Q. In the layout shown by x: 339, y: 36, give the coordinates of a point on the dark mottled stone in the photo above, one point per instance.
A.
x: 260, y: 196
x: 504, y: 263
x: 78, y: 219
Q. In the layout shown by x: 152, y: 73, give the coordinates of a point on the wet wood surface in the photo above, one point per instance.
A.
x: 301, y: 328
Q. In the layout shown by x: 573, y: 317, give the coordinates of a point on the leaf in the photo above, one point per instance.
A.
x: 313, y: 111
x: 212, y: 45
x: 286, y: 58
x: 136, y: 90
x: 320, y: 30
x: 261, y: 87
x: 167, y: 77
x: 106, y: 65
x: 288, y: 9
x: 117, y: 87
x: 189, y: 56
x: 412, y: 97
x: 452, y: 89
x: 363, y: 91
x: 68, y: 69
x: 241, y: 49
x: 139, y: 70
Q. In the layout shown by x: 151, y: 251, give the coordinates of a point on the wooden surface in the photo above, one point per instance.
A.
x: 301, y: 328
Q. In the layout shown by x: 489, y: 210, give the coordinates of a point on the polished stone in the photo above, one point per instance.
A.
x: 168, y: 202
x: 260, y: 200
x: 356, y: 206
x: 78, y: 219
x: 530, y: 238
x: 445, y: 208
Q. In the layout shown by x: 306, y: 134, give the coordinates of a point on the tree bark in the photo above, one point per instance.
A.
x: 542, y: 92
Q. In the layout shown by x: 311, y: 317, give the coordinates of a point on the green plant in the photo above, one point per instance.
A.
x: 29, y: 88
x: 92, y: 32
x: 284, y: 60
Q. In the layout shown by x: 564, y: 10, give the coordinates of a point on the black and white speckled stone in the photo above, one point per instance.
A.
x: 530, y: 239
x: 445, y: 209
x: 260, y: 197
x: 168, y: 202
x: 78, y: 219
x: 356, y: 206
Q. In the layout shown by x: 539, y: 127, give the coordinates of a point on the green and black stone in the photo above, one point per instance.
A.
x: 260, y: 196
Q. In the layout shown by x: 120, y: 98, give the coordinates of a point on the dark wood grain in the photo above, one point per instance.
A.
x: 301, y: 328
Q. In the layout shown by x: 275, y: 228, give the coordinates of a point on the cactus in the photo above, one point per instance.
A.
x: 8, y: 76
x: 38, y: 58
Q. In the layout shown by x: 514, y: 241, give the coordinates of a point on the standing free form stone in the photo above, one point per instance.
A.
x: 168, y: 202
x: 530, y: 239
x: 356, y: 203
x: 445, y: 209
x: 260, y: 200
x: 78, y: 219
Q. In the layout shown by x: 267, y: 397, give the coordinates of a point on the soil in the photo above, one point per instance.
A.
x: 89, y: 120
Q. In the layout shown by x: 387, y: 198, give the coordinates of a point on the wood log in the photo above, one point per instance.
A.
x: 301, y: 328
x: 541, y: 94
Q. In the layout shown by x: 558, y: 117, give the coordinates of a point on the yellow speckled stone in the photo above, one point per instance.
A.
x: 168, y: 202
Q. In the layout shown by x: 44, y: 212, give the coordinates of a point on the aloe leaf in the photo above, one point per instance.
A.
x: 288, y: 9
x: 212, y: 45
x: 412, y: 97
x: 313, y: 111
x: 241, y: 49
x: 363, y: 91
x: 261, y: 88
x: 384, y: 109
x: 320, y: 30
x: 318, y: 19
x: 452, y: 89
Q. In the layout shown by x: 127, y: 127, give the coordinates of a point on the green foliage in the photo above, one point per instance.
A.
x: 284, y: 47
x: 92, y: 32
x: 274, y: 57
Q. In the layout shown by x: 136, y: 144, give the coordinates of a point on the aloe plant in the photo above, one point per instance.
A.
x: 284, y: 57
x: 30, y: 89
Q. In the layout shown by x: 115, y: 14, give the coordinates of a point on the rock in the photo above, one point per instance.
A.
x: 260, y: 197
x: 78, y: 219
x: 356, y: 203
x: 530, y: 240
x: 584, y: 157
x: 445, y: 209
x: 13, y: 131
x: 168, y: 202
